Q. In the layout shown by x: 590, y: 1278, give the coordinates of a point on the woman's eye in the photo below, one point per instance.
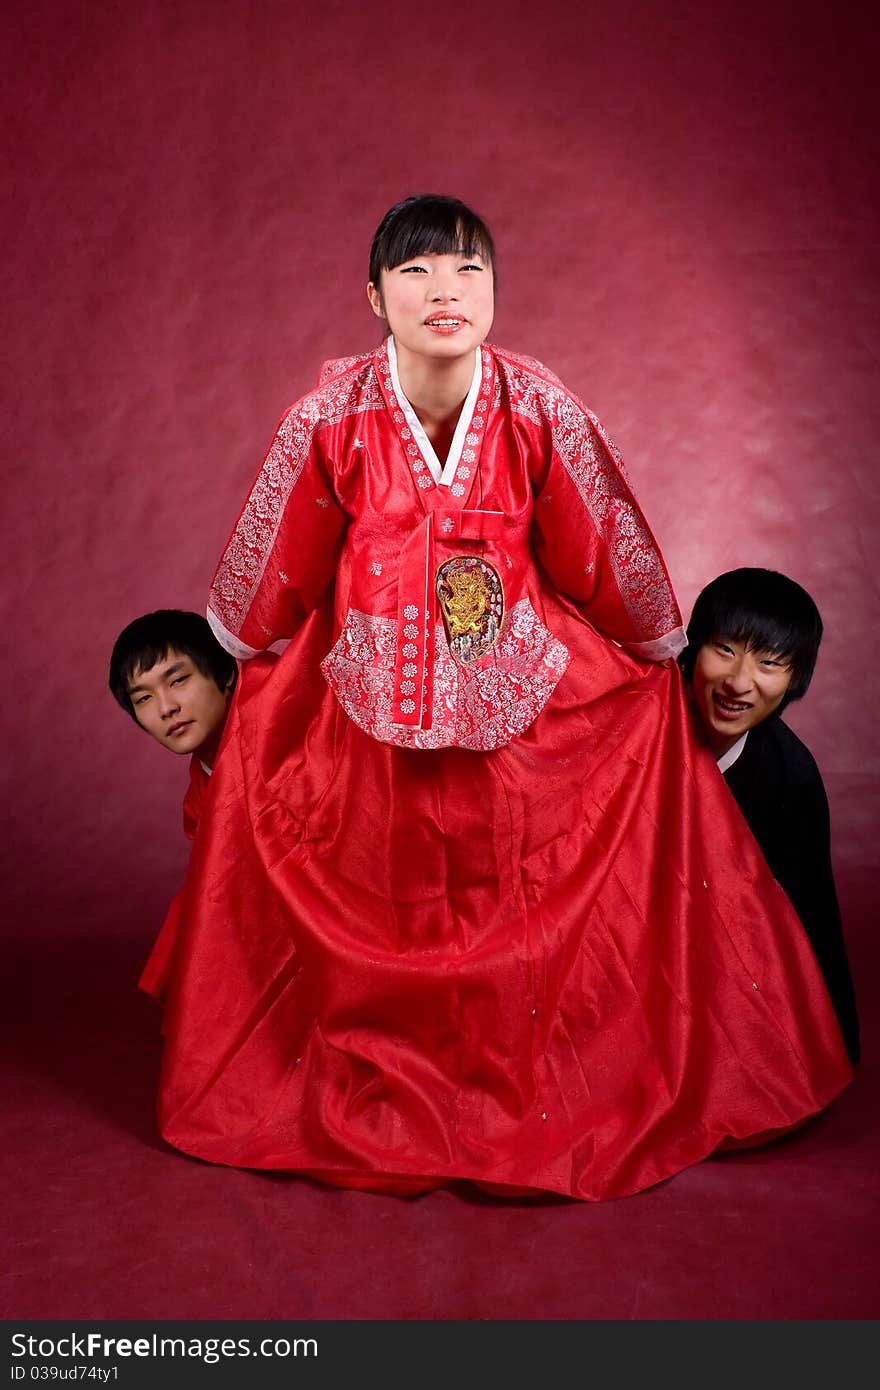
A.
x: 413, y: 270
x: 471, y: 266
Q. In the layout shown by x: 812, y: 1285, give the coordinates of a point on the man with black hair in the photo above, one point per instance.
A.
x: 753, y: 639
x: 169, y: 672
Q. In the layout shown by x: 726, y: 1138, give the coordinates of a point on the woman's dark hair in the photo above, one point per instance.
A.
x: 149, y: 639
x: 428, y: 224
x: 767, y: 612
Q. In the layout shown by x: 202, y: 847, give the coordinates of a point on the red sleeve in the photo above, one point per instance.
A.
x: 591, y: 538
x: 282, y: 553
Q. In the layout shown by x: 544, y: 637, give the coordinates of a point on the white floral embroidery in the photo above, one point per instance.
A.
x: 594, y: 465
x: 464, y: 472
x: 407, y: 687
x: 533, y: 367
x: 409, y: 668
x: 344, y: 392
x: 410, y: 630
x: 410, y: 650
x: 410, y: 611
x: 425, y: 481
x: 468, y: 455
x: 376, y: 567
x: 335, y: 366
x: 457, y: 489
x: 479, y: 707
x: 472, y: 439
x: 407, y: 706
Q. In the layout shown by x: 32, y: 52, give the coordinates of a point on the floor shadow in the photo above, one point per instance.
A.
x: 77, y: 1024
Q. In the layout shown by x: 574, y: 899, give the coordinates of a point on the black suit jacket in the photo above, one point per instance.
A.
x: 779, y: 790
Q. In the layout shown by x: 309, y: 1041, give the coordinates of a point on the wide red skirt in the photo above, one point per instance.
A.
x: 562, y: 965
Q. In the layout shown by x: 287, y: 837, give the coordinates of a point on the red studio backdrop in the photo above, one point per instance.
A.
x: 685, y: 202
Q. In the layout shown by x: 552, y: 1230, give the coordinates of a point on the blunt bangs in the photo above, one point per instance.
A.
x: 765, y: 611
x: 429, y: 224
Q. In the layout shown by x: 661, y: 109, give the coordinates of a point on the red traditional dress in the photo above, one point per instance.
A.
x: 467, y: 900
x: 154, y: 976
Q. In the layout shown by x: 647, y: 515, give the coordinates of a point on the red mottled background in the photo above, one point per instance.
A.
x: 685, y: 201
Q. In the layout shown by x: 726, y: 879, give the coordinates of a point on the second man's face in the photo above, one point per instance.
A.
x: 736, y: 688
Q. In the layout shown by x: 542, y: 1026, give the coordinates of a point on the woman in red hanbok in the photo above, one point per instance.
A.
x: 467, y: 900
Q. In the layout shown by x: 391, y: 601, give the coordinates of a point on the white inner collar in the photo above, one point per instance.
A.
x: 443, y: 474
x: 729, y: 758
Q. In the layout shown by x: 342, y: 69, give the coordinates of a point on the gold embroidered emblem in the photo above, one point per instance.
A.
x: 471, y: 597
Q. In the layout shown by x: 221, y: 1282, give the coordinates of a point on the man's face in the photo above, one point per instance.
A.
x: 735, y: 688
x: 182, y: 709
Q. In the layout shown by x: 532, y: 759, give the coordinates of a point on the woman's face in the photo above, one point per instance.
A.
x: 439, y: 307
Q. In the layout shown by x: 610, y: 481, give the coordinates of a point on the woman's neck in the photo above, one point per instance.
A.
x: 436, y: 390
